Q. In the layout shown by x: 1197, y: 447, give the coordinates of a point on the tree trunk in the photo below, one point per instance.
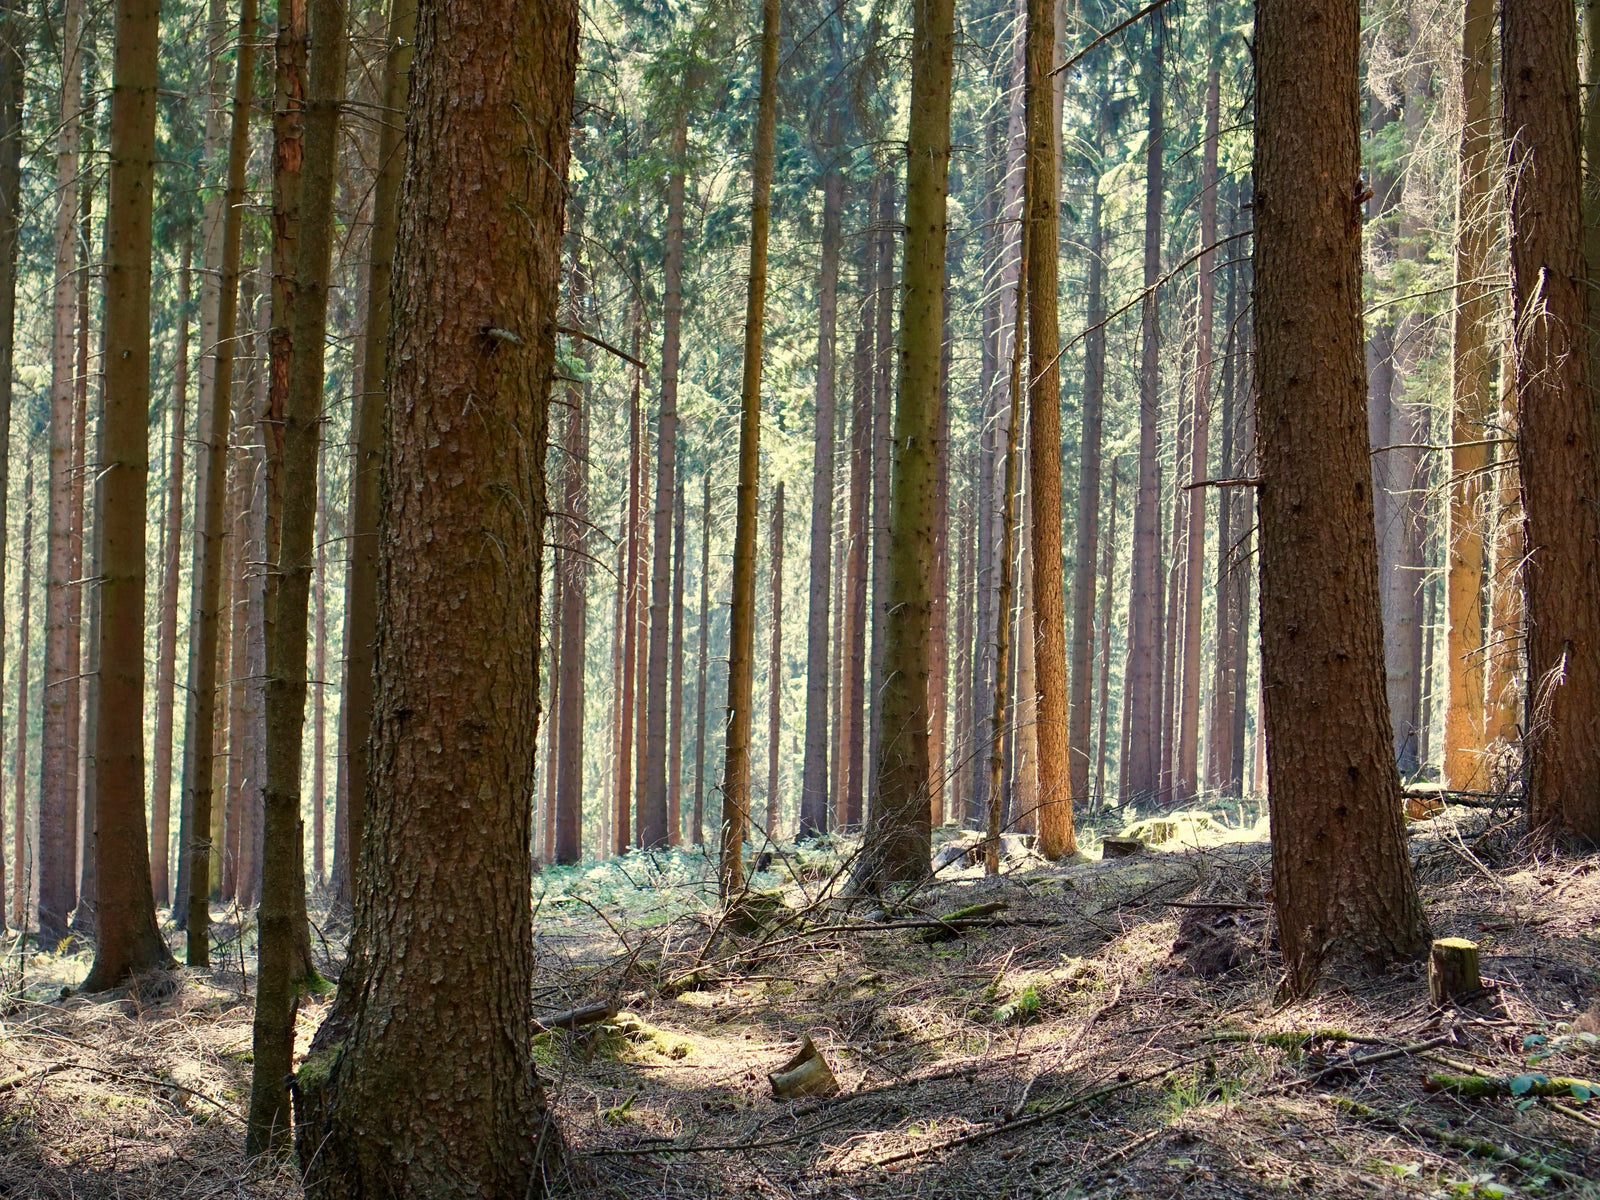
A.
x: 1507, y: 633
x: 212, y: 524
x: 627, y: 734
x: 741, y: 649
x: 1560, y: 459
x: 58, y: 801
x: 361, y: 577
x: 1342, y: 883
x: 83, y: 643
x: 167, y: 633
x: 458, y: 698
x: 654, y: 824
x: 939, y: 632
x: 850, y: 800
x: 19, y: 893
x: 574, y: 615
x: 675, y: 719
x: 883, y: 353
x: 814, y: 771
x: 775, y: 670
x: 319, y: 673
x: 1050, y: 723
x: 13, y: 41
x: 1142, y: 698
x: 698, y: 837
x: 125, y: 918
x: 1099, y: 797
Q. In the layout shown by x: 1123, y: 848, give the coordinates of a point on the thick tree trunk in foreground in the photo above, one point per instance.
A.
x: 125, y: 918
x: 1472, y: 406
x: 167, y: 633
x: 477, y: 265
x: 214, y: 528
x: 814, y: 770
x: 742, y: 633
x: 1342, y: 881
x: 1560, y: 459
x: 285, y: 971
x: 1050, y: 724
x: 654, y: 825
x: 898, y: 839
x: 58, y: 800
x: 361, y: 578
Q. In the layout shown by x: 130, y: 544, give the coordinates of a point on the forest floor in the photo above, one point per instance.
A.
x: 1103, y: 1028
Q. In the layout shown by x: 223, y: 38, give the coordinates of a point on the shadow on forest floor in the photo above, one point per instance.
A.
x: 1110, y: 1032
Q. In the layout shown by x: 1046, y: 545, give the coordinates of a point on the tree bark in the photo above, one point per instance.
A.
x: 19, y: 841
x: 675, y: 686
x: 1050, y: 725
x: 698, y: 837
x: 457, y: 658
x: 627, y: 734
x: 883, y: 354
x: 1557, y: 445
x: 850, y: 800
x: 1342, y: 882
x: 1099, y: 797
x: 814, y: 770
x: 775, y: 670
x: 13, y: 42
x: 167, y: 633
x: 319, y: 673
x: 741, y: 647
x: 574, y: 615
x: 125, y: 919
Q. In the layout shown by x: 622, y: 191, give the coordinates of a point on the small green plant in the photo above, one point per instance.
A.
x: 621, y: 1114
x: 1020, y: 1009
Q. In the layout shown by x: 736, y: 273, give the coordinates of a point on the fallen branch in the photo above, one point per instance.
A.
x: 572, y: 1018
x: 1531, y: 1084
x: 1048, y: 1114
x: 1365, y: 1060
x: 1457, y: 1141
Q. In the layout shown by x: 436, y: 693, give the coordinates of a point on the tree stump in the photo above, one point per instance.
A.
x: 1120, y: 847
x: 1453, y: 969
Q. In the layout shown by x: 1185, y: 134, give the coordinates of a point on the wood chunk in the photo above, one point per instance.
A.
x: 1453, y: 969
x: 806, y: 1074
x: 572, y: 1018
x: 1120, y: 847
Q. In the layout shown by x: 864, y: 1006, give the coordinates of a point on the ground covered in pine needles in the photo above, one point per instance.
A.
x: 1093, y: 1028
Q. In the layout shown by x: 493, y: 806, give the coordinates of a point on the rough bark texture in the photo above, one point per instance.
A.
x: 849, y: 801
x: 898, y: 839
x: 58, y: 800
x: 19, y: 893
x: 1049, y: 618
x: 361, y: 579
x: 654, y: 826
x: 1342, y: 883
x: 13, y: 38
x: 125, y: 918
x: 675, y: 685
x: 213, y: 526
x: 697, y: 834
x: 814, y: 770
x: 574, y: 615
x: 1472, y: 405
x: 775, y: 670
x: 1560, y: 459
x: 414, y: 1089
x: 882, y: 458
x: 628, y: 631
x: 1098, y: 798
x: 167, y: 631
x: 742, y: 614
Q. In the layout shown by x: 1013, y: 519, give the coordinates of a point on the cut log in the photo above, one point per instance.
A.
x: 1453, y: 969
x: 572, y: 1018
x: 806, y: 1074
x: 1120, y: 847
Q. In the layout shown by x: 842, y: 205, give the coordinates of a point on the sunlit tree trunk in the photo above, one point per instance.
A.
x: 1342, y: 883
x: 697, y: 836
x: 883, y: 352
x: 568, y: 728
x: 319, y: 672
x: 19, y: 776
x: 1099, y: 798
x: 675, y: 686
x: 775, y: 669
x: 741, y: 641
x: 849, y: 801
x: 13, y: 44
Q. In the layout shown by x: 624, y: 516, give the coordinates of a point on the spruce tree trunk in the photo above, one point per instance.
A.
x: 897, y: 845
x: 83, y: 643
x: 1559, y: 455
x: 284, y: 969
x: 850, y: 799
x: 1049, y: 618
x: 627, y: 734
x: 125, y: 918
x: 1099, y: 797
x: 775, y: 669
x: 1142, y: 689
x: 58, y: 800
x: 167, y: 633
x: 457, y: 660
x: 742, y: 614
x: 1472, y: 402
x: 654, y: 824
x: 814, y: 770
x: 319, y: 673
x: 19, y: 775
x: 939, y: 633
x: 574, y: 614
x: 1507, y: 635
x: 698, y: 837
x: 361, y: 572
x: 883, y: 350
x: 209, y: 615
x: 675, y: 686
x: 13, y: 39
x: 1342, y: 884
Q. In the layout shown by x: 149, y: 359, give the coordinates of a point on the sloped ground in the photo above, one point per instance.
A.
x: 1110, y: 1032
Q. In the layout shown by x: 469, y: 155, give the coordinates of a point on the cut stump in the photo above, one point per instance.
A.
x: 1453, y: 969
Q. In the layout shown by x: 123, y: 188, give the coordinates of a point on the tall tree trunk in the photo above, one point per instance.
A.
x: 1142, y: 688
x: 1099, y: 797
x: 574, y: 614
x: 83, y: 643
x: 1199, y: 456
x: 125, y: 918
x: 458, y: 702
x: 883, y: 350
x: 654, y: 824
x: 836, y: 750
x: 939, y: 632
x: 981, y: 668
x: 698, y: 836
x: 814, y: 770
x: 1342, y: 880
x: 167, y: 633
x: 1044, y: 444
x: 1559, y: 456
x: 19, y: 841
x: 1472, y: 404
x: 1507, y: 639
x: 58, y: 801
x: 284, y: 970
x: 741, y: 648
x: 13, y: 40
x: 212, y: 526
x: 775, y: 669
x: 361, y: 572
x: 627, y: 734
x: 850, y: 800
x: 675, y: 686
x: 319, y: 673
